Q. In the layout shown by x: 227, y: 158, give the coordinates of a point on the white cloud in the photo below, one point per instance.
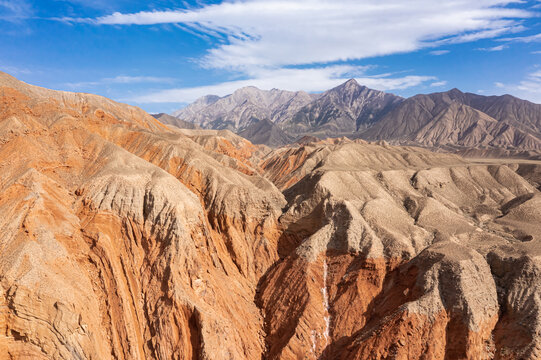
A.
x: 121, y: 79
x: 524, y: 39
x: 311, y: 80
x: 505, y: 27
x: 438, y: 83
x: 529, y: 88
x: 280, y: 33
x: 536, y: 52
x: 137, y: 79
x: 495, y: 48
x: 439, y: 52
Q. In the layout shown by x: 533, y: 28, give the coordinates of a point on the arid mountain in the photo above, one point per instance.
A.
x: 342, y: 110
x: 519, y: 113
x: 453, y: 120
x: 447, y: 118
x: 267, y: 133
x: 197, y: 106
x: 401, y: 253
x: 247, y: 105
x: 171, y: 120
x: 125, y: 239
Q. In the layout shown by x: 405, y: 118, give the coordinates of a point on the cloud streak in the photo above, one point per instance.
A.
x: 523, y: 39
x: 529, y: 88
x: 121, y: 79
x: 494, y: 48
x: 439, y: 52
x: 438, y: 84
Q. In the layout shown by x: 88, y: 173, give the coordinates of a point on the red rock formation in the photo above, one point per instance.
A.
x: 124, y: 239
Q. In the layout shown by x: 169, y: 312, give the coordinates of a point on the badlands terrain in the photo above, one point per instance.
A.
x: 124, y: 238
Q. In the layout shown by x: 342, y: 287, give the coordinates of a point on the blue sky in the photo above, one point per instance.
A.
x: 160, y: 55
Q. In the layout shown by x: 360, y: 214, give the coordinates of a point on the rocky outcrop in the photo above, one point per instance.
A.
x: 125, y: 239
x: 342, y: 110
x: 406, y: 254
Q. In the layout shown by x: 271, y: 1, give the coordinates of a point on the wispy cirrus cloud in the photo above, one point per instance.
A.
x: 15, y: 70
x: 438, y: 83
x: 439, y: 52
x: 494, y: 48
x: 523, y: 39
x: 528, y: 88
x: 506, y: 27
x: 121, y: 79
x: 15, y: 10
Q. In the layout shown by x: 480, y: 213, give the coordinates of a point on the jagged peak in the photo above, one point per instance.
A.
x: 352, y: 85
x: 455, y: 91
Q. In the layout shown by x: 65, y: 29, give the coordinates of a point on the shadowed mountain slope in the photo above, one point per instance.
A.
x: 266, y: 132
x: 170, y: 120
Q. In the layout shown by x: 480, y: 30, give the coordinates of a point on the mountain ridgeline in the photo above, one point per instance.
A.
x: 451, y: 119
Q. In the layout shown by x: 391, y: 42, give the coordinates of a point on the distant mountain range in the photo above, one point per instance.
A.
x: 245, y: 106
x: 464, y: 119
x: 343, y: 110
x: 451, y: 118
